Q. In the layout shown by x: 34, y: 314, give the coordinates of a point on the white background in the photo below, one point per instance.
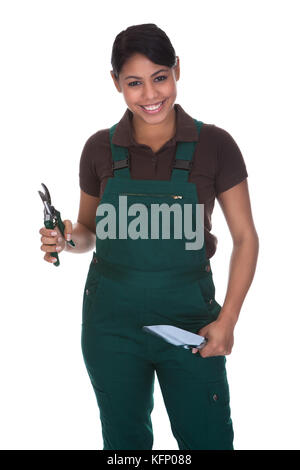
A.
x: 239, y: 71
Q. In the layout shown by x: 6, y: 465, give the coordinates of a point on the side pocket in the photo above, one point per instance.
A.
x: 92, y: 285
x: 220, y: 412
x: 219, y: 429
x: 207, y: 292
x: 218, y: 393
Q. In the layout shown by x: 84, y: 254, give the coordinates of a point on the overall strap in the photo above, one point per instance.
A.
x: 120, y: 157
x: 182, y: 163
x: 184, y: 158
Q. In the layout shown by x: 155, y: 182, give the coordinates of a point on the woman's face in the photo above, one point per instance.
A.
x: 145, y: 84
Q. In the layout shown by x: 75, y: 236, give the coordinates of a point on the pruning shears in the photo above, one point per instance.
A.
x: 52, y: 218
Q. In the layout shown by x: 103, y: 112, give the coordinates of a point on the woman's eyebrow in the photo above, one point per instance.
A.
x: 139, y: 78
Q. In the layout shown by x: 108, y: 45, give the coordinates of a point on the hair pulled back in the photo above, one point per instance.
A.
x: 147, y: 39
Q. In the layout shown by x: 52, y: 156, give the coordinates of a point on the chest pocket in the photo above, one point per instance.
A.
x: 134, y: 232
x: 150, y: 212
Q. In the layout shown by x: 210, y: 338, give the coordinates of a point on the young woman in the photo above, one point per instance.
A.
x: 158, y: 155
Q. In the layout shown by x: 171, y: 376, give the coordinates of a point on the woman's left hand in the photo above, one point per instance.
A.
x: 219, y: 336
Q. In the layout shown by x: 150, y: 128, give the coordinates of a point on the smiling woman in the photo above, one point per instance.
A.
x: 150, y: 92
x: 157, y: 154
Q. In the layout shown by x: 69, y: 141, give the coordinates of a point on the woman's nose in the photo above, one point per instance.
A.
x: 150, y: 94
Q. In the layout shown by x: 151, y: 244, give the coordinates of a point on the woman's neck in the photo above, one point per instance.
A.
x: 156, y: 134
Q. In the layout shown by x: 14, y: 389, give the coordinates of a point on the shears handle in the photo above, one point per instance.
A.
x: 61, y: 226
x: 49, y: 224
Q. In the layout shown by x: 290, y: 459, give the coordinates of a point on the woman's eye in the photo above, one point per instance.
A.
x: 157, y: 78
x: 132, y: 83
x: 162, y: 76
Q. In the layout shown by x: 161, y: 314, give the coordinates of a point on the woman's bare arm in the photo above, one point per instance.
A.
x: 84, y: 230
x: 235, y: 204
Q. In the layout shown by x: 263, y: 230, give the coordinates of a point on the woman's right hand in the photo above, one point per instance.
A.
x: 54, y: 241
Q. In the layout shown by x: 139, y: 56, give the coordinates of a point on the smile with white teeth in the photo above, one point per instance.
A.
x: 153, y: 106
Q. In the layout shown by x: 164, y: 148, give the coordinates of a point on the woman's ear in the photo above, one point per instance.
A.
x: 177, y: 68
x: 116, y: 82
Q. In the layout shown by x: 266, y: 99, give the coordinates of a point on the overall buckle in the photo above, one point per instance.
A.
x: 181, y: 164
x: 119, y: 164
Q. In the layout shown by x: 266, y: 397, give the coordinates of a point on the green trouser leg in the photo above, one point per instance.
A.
x: 121, y: 359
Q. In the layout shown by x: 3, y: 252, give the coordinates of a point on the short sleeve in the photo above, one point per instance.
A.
x: 231, y: 168
x: 88, y: 179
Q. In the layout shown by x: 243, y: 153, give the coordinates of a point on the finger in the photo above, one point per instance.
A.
x: 214, y: 351
x: 200, y: 333
x: 195, y: 350
x: 68, y: 229
x: 49, y: 240
x: 52, y: 240
x: 208, y: 350
x: 48, y: 232
x: 203, y: 331
x: 51, y: 248
x: 49, y: 258
x: 205, y: 354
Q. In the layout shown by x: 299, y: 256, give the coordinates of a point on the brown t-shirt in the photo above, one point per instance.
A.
x: 218, y: 163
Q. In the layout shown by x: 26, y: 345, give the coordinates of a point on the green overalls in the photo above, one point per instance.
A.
x: 150, y: 281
